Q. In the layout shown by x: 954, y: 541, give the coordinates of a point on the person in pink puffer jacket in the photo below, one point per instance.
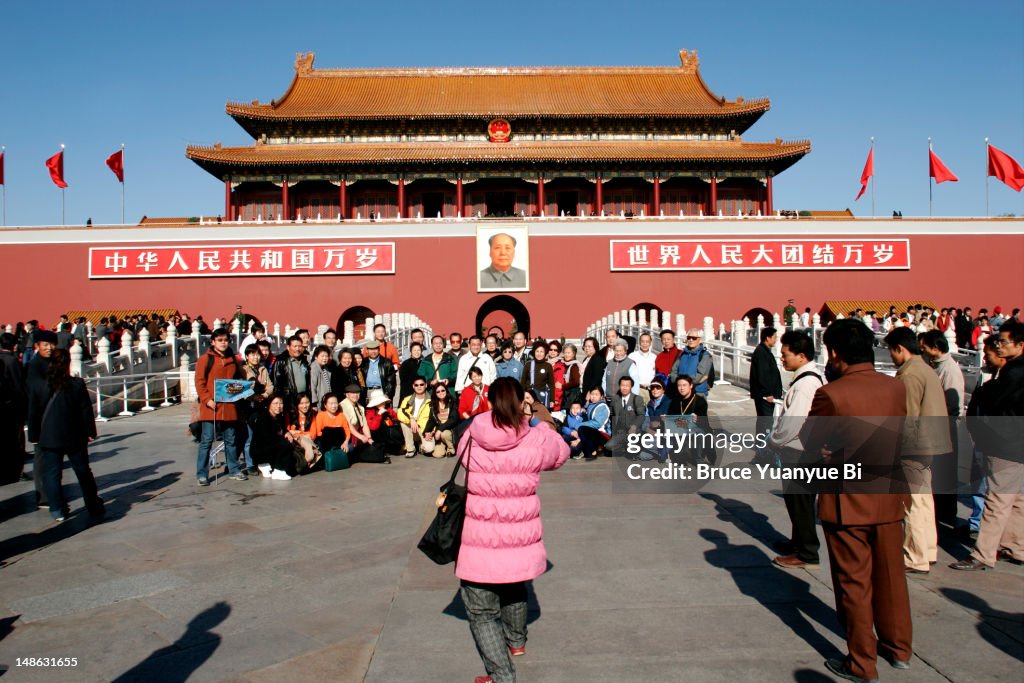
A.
x: 502, y: 537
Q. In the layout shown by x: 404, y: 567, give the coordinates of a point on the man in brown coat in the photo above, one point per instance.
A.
x: 925, y: 436
x: 218, y: 363
x: 856, y: 419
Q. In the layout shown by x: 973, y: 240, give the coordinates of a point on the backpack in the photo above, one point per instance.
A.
x: 712, y: 375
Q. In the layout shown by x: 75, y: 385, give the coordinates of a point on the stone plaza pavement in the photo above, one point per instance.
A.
x: 318, y: 579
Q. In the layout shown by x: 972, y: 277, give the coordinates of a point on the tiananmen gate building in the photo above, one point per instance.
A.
x: 544, y: 197
x: 498, y: 142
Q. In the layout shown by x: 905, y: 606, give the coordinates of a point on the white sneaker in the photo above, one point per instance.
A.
x: 281, y: 475
x: 265, y: 470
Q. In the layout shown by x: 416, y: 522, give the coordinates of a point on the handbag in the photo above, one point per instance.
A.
x: 336, y: 459
x: 443, y: 537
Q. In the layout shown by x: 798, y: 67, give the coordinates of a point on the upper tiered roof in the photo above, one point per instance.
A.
x: 509, y: 92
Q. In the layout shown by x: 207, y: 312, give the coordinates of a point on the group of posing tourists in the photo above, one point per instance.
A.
x: 373, y: 404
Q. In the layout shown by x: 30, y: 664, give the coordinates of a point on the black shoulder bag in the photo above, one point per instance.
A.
x: 444, y: 535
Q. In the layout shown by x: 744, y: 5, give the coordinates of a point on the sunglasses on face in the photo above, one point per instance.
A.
x: 419, y: 384
x: 692, y: 338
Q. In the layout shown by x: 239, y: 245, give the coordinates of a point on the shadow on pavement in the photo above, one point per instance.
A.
x: 178, y: 661
x: 103, y: 440
x: 992, y: 621
x: 782, y: 593
x: 7, y: 625
x: 811, y: 676
x: 759, y: 528
x: 119, y: 501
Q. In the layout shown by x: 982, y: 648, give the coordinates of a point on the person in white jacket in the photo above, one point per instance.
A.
x: 801, y: 550
x: 475, y: 358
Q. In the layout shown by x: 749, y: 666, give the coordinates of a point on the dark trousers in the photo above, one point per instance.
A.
x: 871, y: 593
x: 802, y: 515
x: 765, y: 411
x: 53, y: 464
x: 945, y: 482
x: 497, y: 620
x: 590, y: 440
x: 38, y: 475
x: 12, y: 448
x: 799, y: 499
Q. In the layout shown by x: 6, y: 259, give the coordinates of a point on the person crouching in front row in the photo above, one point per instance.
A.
x: 273, y: 447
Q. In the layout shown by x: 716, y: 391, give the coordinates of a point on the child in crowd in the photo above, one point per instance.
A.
x: 573, y: 419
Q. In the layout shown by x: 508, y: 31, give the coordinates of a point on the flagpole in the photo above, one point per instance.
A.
x: 122, y: 183
x: 930, y: 179
x: 986, y: 177
x: 3, y: 149
x: 872, y: 177
x: 62, y: 189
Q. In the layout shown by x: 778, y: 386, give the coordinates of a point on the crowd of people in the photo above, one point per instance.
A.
x: 373, y: 405
x: 547, y: 401
x: 960, y: 326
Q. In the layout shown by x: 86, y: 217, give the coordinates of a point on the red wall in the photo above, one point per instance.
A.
x: 571, y: 284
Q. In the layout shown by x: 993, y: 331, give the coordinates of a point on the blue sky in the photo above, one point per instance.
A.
x: 156, y: 77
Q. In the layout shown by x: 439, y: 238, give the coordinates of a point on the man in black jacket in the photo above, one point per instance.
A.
x: 376, y: 372
x: 38, y: 391
x: 765, y: 378
x: 13, y: 402
x: 291, y: 372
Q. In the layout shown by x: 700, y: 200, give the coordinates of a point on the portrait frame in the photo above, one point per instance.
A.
x: 518, y: 275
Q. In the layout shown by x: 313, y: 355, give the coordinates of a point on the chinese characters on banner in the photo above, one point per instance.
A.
x: 219, y: 260
x: 753, y: 254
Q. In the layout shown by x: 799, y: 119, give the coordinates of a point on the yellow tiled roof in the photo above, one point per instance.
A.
x: 120, y: 313
x: 322, y: 94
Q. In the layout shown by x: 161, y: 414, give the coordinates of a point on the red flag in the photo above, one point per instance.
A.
x: 56, y: 166
x: 116, y: 163
x: 865, y: 176
x: 938, y: 170
x: 1006, y: 168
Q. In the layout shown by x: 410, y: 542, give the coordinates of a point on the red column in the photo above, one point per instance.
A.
x: 768, y: 193
x: 343, y: 200
x: 656, y: 209
x: 598, y: 196
x: 401, y: 197
x: 284, y: 201
x: 713, y: 208
x: 540, y: 196
x: 459, y: 208
x: 227, y: 200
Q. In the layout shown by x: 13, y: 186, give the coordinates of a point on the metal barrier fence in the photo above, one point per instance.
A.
x: 144, y: 392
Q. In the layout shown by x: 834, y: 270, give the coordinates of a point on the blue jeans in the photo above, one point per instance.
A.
x: 227, y: 430
x: 979, y: 487
x: 248, y: 445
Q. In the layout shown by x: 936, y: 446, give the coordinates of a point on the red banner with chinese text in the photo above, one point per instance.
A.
x: 753, y: 254
x: 230, y: 260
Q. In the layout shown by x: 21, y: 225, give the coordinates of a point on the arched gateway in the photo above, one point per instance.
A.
x: 504, y: 312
